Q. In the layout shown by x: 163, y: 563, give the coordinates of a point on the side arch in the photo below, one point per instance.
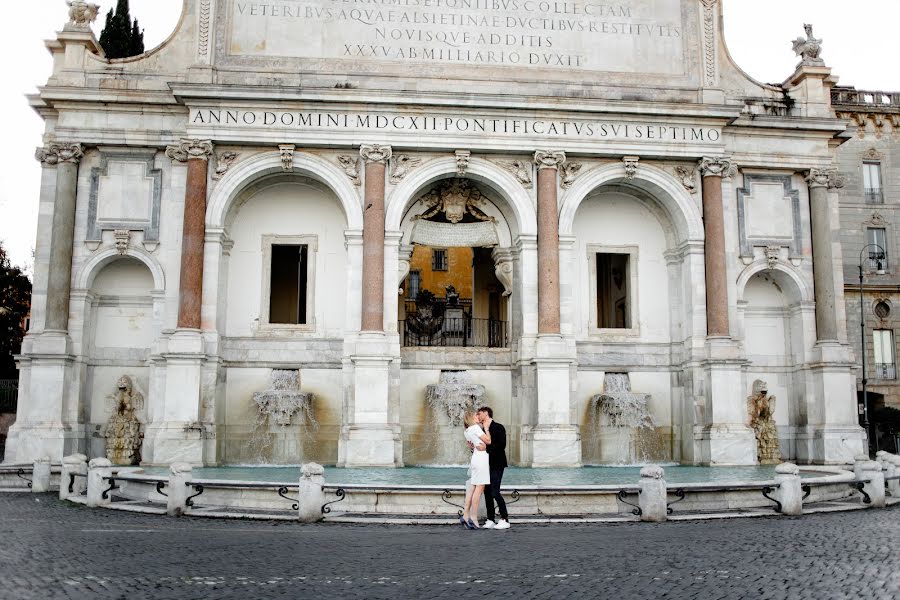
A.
x: 85, y: 278
x: 256, y: 167
x: 676, y: 201
x: 479, y: 169
x: 800, y: 289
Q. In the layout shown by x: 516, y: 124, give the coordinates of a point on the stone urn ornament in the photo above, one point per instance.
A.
x: 123, y: 430
x: 82, y: 14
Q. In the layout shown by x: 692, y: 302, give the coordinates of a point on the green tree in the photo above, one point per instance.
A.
x: 121, y: 37
x: 15, y: 301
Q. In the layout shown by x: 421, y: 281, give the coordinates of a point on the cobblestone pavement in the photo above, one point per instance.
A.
x: 50, y: 549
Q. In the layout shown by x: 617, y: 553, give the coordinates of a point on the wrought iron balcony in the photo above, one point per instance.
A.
x: 874, y: 196
x: 454, y: 332
x: 885, y: 371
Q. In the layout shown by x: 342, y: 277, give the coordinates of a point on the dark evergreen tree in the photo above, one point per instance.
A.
x: 121, y: 37
x: 15, y: 302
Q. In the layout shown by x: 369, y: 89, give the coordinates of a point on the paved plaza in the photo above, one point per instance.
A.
x: 51, y: 549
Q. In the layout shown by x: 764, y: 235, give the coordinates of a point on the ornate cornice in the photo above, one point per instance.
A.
x: 60, y: 153
x: 188, y: 149
x: 549, y: 159
x: 375, y: 153
x: 717, y: 167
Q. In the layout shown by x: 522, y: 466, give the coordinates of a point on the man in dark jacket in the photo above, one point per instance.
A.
x: 497, y: 457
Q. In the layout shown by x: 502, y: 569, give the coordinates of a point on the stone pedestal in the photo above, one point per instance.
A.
x: 894, y: 486
x: 653, y: 498
x: 312, y: 493
x: 726, y: 439
x: 554, y: 441
x: 369, y: 438
x: 75, y: 464
x: 178, y: 491
x: 40, y: 476
x: 873, y: 472
x: 789, y: 492
x: 98, y: 468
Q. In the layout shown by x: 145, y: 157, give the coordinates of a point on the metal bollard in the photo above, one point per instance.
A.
x: 652, y: 498
x: 875, y: 487
x: 790, y: 490
x: 312, y: 492
x: 178, y: 491
x: 40, y: 476
x: 75, y: 464
x: 98, y: 468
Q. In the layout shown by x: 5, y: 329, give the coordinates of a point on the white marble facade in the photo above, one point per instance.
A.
x: 288, y: 92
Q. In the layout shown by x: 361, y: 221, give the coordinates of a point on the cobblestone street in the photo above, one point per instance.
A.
x: 51, y: 549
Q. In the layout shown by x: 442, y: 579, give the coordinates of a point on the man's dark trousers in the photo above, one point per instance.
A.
x: 494, y: 494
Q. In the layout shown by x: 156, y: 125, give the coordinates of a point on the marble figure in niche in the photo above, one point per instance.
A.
x: 761, y: 407
x: 123, y: 430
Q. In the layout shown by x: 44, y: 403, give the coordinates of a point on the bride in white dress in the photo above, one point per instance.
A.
x: 479, y: 469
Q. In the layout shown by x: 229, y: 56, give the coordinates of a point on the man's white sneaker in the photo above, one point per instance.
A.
x: 489, y: 525
x: 501, y: 524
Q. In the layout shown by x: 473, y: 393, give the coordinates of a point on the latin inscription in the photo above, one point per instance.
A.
x: 625, y: 36
x: 314, y: 121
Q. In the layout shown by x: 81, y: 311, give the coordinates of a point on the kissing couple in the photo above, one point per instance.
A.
x: 487, y: 440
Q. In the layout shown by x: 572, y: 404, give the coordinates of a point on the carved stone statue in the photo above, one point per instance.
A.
x: 123, y: 430
x: 82, y: 14
x: 761, y: 407
x: 455, y: 199
x: 809, y: 49
x: 452, y: 296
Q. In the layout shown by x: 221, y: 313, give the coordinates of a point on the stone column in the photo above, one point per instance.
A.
x: 375, y: 158
x: 713, y: 170
x: 59, y: 280
x: 196, y: 154
x: 548, y: 164
x: 820, y: 181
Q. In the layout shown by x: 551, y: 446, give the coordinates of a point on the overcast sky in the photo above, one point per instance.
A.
x: 860, y: 44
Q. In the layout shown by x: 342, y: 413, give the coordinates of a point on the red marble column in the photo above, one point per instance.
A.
x: 548, y: 164
x: 196, y: 153
x: 376, y: 158
x: 713, y: 170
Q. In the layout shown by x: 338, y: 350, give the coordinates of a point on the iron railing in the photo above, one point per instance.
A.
x: 885, y: 371
x: 9, y: 395
x: 874, y: 196
x: 464, y: 332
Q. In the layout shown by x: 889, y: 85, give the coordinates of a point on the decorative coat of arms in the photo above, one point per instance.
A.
x: 455, y: 198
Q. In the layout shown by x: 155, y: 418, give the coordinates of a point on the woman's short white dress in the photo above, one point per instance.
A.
x: 479, y: 468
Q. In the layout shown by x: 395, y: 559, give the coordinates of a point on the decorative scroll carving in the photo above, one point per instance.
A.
x: 872, y: 154
x: 350, y: 165
x: 188, y: 149
x: 503, y: 268
x: 82, y: 14
x: 462, y: 161
x: 809, y: 49
x: 688, y: 178
x: 568, y: 172
x: 717, y: 167
x: 549, y: 159
x: 401, y: 165
x: 877, y: 220
x: 287, y: 156
x: 123, y: 240
x: 709, y: 41
x: 123, y: 430
x: 631, y: 166
x: 455, y: 198
x: 773, y: 253
x: 224, y: 163
x: 60, y: 153
x: 403, y: 265
x: 375, y: 153
x: 829, y: 178
x: 520, y: 169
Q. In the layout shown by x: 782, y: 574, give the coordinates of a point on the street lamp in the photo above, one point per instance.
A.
x: 878, y: 257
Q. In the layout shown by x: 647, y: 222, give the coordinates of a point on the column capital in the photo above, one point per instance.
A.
x: 57, y: 153
x: 717, y: 166
x: 375, y: 153
x: 549, y: 159
x: 829, y: 178
x: 188, y: 149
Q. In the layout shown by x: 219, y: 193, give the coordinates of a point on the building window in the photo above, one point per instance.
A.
x: 288, y: 284
x: 872, y: 182
x: 883, y: 341
x: 613, y: 291
x: 876, y: 238
x: 438, y: 260
x: 413, y: 284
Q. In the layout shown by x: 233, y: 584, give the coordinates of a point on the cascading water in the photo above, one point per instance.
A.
x: 621, y: 429
x: 275, y: 439
x: 448, y: 401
